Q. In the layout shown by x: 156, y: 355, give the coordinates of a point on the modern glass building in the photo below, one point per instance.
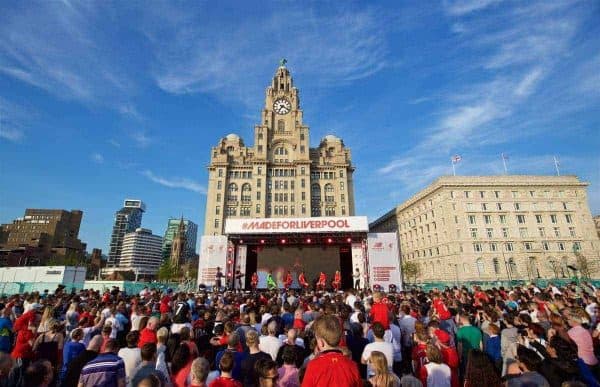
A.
x: 127, y: 219
x: 191, y: 232
x: 141, y: 252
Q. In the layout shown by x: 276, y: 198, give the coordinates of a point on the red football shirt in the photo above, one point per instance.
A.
x: 380, y: 313
x: 331, y: 369
x: 441, y: 309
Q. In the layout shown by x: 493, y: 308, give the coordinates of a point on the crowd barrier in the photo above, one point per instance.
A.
x: 130, y: 287
x: 495, y: 284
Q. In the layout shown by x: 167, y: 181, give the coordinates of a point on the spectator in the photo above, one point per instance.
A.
x: 529, y: 362
x: 226, y: 365
x: 297, y: 350
x: 254, y: 355
x: 239, y: 356
x: 107, y: 369
x: 378, y: 345
x: 267, y: 374
x: 382, y: 377
x: 435, y: 373
x: 288, y: 372
x: 330, y: 366
x: 199, y: 372
x: 39, y: 374
x: 148, y: 334
x: 131, y: 355
x: 161, y: 349
x: 148, y: 366
x: 74, y: 368
x: 270, y: 343
x: 379, y: 312
x: 71, y: 350
x: 181, y: 365
x: 480, y: 371
x: 6, y: 365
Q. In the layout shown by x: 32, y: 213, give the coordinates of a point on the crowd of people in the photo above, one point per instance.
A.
x: 522, y: 336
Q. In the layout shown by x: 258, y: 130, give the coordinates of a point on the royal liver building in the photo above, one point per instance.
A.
x: 280, y: 176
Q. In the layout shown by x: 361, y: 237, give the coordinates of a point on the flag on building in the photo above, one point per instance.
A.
x: 504, y: 156
x: 456, y: 159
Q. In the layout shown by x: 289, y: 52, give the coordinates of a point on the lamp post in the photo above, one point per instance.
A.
x: 456, y: 271
x: 506, y: 265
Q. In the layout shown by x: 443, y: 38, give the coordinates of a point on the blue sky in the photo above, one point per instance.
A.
x: 102, y: 101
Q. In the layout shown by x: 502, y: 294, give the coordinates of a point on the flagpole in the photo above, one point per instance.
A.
x: 453, y: 169
x: 504, y: 163
x: 556, y: 166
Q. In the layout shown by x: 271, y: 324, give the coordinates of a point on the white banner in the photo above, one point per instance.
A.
x: 358, y: 262
x: 213, y: 254
x: 384, y: 260
x: 297, y: 225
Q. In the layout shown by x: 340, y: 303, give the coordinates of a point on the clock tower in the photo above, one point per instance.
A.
x: 280, y: 176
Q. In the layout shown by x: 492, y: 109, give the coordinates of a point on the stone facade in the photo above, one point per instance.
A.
x: 487, y: 228
x: 280, y: 175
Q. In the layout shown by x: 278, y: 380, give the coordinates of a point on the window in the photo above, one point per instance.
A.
x: 561, y: 246
x: 556, y: 231
x: 341, y: 173
x: 572, y: 231
x: 219, y: 184
x: 220, y: 172
x: 499, y: 206
x: 341, y: 185
x: 503, y: 219
x: 469, y: 206
x: 480, y: 267
x: 484, y: 206
x: 472, y: 219
x: 260, y: 149
x: 487, y: 219
x: 477, y: 247
x: 542, y: 231
x: 467, y: 194
x: 521, y: 219
x: 496, y: 265
x: 281, y: 151
x: 528, y: 246
x: 257, y: 195
x: 302, y: 183
x: 517, y: 206
x: 545, y: 245
x: 514, y: 194
x: 231, y: 211
x: 452, y: 194
x: 245, y: 211
x: 493, y: 247
x: 474, y: 233
x: 302, y: 171
x: 303, y: 208
x: 489, y: 232
x: 565, y: 206
x: 258, y: 208
x: 232, y: 190
x: 569, y: 218
x: 497, y: 194
x: 523, y: 232
x: 512, y: 266
x: 538, y: 218
x: 217, y: 210
x: 553, y: 219
x: 531, y: 193
x: 576, y: 246
x: 343, y: 210
x: 246, y: 191
x: 482, y: 194
x: 508, y: 246
x: 280, y: 126
x: 505, y: 232
x: 217, y: 223
x: 218, y: 197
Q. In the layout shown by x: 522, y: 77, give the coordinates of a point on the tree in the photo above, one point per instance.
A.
x: 167, y: 271
x: 583, y: 265
x: 410, y: 270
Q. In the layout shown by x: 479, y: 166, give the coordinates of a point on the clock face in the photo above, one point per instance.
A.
x: 282, y: 106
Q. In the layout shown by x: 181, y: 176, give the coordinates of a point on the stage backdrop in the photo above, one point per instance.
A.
x: 384, y: 260
x: 213, y: 254
x: 311, y: 259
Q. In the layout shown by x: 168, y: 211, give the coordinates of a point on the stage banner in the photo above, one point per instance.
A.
x: 241, y: 262
x: 384, y: 260
x: 213, y: 254
x: 297, y: 225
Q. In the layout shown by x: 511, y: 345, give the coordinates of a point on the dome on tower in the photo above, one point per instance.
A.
x: 232, y: 137
x: 330, y: 137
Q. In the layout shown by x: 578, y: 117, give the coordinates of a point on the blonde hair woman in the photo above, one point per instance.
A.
x: 383, y: 376
x: 47, y: 316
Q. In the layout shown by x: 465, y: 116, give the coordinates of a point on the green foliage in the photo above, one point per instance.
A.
x: 586, y: 269
x: 167, y: 272
x: 410, y: 270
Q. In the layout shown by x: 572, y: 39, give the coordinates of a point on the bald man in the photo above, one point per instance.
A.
x: 75, y: 367
x: 292, y: 341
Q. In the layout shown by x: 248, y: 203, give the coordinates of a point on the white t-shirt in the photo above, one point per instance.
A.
x: 381, y: 346
x: 176, y: 328
x: 438, y: 375
x: 132, y: 359
x: 350, y: 300
x: 270, y: 345
x: 115, y: 324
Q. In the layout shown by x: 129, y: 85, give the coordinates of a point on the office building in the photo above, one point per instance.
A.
x: 191, y: 234
x: 127, y: 219
x: 141, y: 252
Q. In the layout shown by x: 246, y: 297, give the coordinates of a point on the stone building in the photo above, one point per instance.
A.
x: 191, y: 233
x: 42, y: 234
x: 280, y: 175
x: 487, y: 228
x: 178, y: 245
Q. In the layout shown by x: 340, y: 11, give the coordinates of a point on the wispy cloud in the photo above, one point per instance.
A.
x: 463, y: 7
x: 176, y: 182
x: 198, y: 57
x: 140, y: 138
x: 13, y: 119
x: 97, y: 158
x: 10, y: 134
x: 130, y: 110
x: 114, y: 143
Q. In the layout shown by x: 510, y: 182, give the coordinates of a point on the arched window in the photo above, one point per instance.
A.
x: 534, y: 271
x: 281, y: 151
x: 232, y: 189
x: 480, y: 267
x: 280, y: 126
x: 246, y: 192
x: 496, y: 266
x: 328, y: 188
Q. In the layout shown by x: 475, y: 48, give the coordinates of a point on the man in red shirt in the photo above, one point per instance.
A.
x: 330, y: 367
x: 148, y: 334
x: 379, y: 311
x: 446, y: 321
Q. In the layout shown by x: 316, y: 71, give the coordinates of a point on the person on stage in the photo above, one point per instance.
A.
x: 302, y: 280
x: 254, y: 281
x: 271, y: 284
x: 322, y: 281
x: 356, y: 277
x: 238, y: 278
x: 219, y: 278
x: 337, y: 281
x: 287, y: 284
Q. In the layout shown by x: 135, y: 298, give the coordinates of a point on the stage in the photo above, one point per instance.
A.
x: 276, y: 245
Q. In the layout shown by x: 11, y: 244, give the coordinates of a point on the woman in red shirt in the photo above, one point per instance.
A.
x: 25, y: 327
